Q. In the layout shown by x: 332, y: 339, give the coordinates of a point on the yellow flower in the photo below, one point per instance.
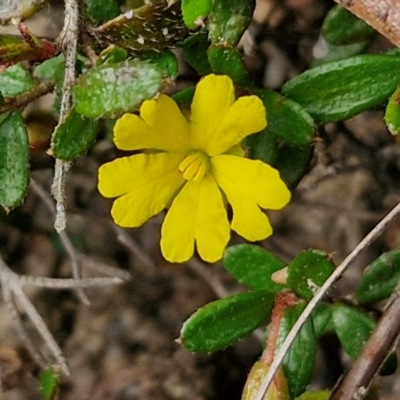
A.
x: 194, y: 168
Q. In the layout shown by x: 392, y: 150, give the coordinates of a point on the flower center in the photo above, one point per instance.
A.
x: 195, y: 166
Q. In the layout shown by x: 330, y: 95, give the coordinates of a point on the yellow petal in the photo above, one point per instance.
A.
x: 213, y: 97
x: 161, y: 126
x: 149, y: 186
x: 197, y: 214
x: 248, y: 185
x: 246, y: 116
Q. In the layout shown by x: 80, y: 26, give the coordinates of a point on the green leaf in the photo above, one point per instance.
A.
x: 262, y: 146
x: 108, y: 91
x: 156, y: 26
x: 74, y: 136
x: 195, y: 11
x: 287, y: 120
x: 15, y: 80
x: 392, y: 114
x: 308, y: 272
x: 229, y: 61
x: 380, y: 278
x: 340, y: 89
x: 253, y: 266
x: 47, y: 70
x: 298, y: 365
x: 194, y: 49
x: 184, y: 97
x: 100, y: 11
x: 14, y: 160
x: 166, y: 62
x: 315, y: 395
x: 112, y: 55
x: 353, y: 328
x: 228, y: 20
x: 49, y: 383
x: 321, y: 317
x: 225, y: 321
x: 341, y: 27
x: 293, y: 162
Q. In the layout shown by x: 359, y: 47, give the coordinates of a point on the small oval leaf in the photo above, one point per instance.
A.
x: 253, y: 266
x: 195, y: 11
x: 110, y: 90
x: 287, y: 119
x: 225, y: 321
x: 308, y: 271
x: 14, y: 160
x: 298, y: 365
x: 341, y: 27
x: 380, y: 278
x: 15, y: 80
x: 353, y: 328
x: 74, y: 136
x: 340, y: 89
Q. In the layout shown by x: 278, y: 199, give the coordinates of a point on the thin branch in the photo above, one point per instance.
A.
x: 25, y: 98
x: 11, y: 282
x: 382, y: 15
x: 54, y: 283
x: 376, y: 232
x: 69, y: 41
x: 375, y: 351
x: 69, y: 247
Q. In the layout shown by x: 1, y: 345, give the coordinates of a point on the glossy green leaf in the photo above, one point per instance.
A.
x: 315, y: 395
x: 308, y: 271
x: 194, y: 49
x: 253, y: 266
x: 100, y: 11
x: 341, y: 89
x: 108, y: 91
x: 392, y: 113
x: 293, y: 162
x: 156, y: 26
x: 287, y: 120
x: 321, y: 317
x: 74, y: 136
x: 228, y: 20
x: 352, y: 327
x: 341, y: 27
x: 262, y: 146
x: 14, y: 160
x: 380, y: 278
x: 49, y: 383
x: 298, y: 365
x: 225, y: 60
x: 184, y: 97
x: 194, y: 12
x: 225, y: 321
x: 15, y: 80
